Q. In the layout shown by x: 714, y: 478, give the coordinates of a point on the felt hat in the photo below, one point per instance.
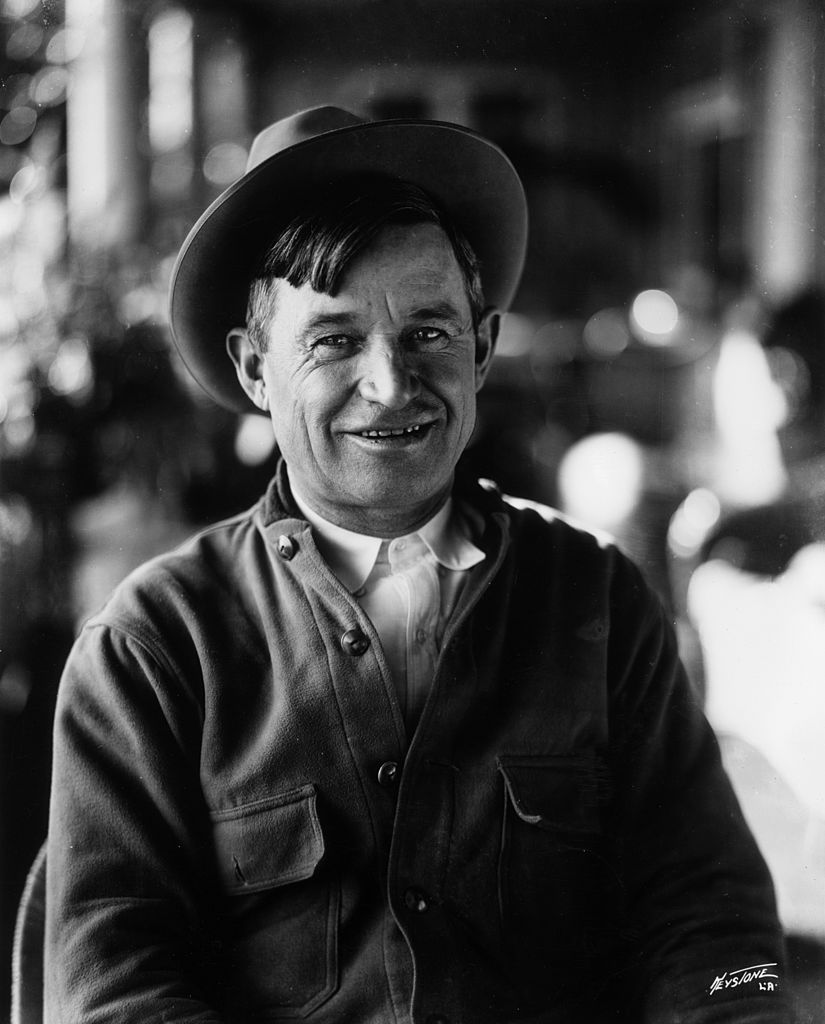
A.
x: 302, y: 155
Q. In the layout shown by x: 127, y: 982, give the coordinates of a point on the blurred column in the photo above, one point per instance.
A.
x: 198, y: 107
x: 222, y: 99
x: 107, y: 175
x: 786, y: 246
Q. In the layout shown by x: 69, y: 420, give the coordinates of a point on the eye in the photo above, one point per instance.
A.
x: 332, y: 341
x: 332, y: 346
x: 427, y: 335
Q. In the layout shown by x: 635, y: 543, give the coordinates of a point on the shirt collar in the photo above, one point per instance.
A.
x: 448, y: 538
x: 351, y: 556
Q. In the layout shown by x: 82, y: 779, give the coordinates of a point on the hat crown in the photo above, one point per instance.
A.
x: 288, y: 132
x: 302, y: 155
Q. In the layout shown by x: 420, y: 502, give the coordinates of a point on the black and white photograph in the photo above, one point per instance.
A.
x: 412, y: 511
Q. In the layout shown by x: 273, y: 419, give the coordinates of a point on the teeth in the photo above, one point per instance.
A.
x: 399, y: 432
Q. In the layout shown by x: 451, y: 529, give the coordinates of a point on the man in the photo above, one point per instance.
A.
x: 387, y: 747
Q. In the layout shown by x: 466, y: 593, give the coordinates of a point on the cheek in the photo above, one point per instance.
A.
x: 302, y: 410
x: 453, y: 378
x: 464, y: 389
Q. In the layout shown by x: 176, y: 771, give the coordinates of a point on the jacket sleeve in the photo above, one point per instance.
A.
x: 700, y: 907
x: 128, y: 852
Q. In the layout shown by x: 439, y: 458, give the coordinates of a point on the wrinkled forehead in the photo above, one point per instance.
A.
x: 405, y: 256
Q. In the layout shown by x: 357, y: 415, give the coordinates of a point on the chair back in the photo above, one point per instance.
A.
x: 28, y: 948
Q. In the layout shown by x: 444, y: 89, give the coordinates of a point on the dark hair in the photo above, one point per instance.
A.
x: 318, y: 245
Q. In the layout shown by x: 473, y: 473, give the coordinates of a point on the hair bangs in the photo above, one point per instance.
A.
x: 318, y: 246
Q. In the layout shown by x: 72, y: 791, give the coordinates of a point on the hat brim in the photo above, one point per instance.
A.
x: 469, y: 177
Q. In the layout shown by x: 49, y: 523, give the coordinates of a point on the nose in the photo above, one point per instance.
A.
x: 386, y: 377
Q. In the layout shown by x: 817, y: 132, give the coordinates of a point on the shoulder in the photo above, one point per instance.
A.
x: 530, y: 511
x: 532, y: 521
x: 551, y: 551
x: 171, y: 618
x: 175, y: 584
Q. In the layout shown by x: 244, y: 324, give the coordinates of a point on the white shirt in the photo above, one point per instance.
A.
x: 407, y: 586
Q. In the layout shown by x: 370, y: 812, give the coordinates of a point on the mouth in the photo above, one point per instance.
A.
x: 394, y: 431
x: 393, y: 437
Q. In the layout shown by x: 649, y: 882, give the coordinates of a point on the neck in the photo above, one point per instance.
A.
x: 386, y: 523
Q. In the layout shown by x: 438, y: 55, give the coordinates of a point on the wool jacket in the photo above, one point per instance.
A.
x: 242, y: 831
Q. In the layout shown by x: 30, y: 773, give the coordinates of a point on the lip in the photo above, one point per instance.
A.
x: 389, y: 435
x: 388, y: 427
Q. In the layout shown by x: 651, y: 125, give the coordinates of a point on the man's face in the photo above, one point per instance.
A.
x: 372, y: 392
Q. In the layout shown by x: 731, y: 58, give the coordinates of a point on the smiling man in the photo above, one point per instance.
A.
x: 388, y: 747
x: 371, y: 389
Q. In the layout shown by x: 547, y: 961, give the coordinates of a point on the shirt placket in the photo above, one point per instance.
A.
x: 415, y: 574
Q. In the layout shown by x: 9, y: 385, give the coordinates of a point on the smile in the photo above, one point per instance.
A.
x: 393, y: 438
x: 395, y: 432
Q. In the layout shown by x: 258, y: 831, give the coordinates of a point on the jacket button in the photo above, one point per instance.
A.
x: 415, y: 899
x: 388, y: 773
x: 286, y: 547
x: 355, y: 642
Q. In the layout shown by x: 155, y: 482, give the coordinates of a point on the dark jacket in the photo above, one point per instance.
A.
x: 241, y: 830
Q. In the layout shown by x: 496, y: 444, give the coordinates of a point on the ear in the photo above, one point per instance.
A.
x: 486, y: 338
x: 249, y: 366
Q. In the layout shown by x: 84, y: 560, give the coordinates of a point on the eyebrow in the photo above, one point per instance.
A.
x: 326, y: 322
x: 336, y: 321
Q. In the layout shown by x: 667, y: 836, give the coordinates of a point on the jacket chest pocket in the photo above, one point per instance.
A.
x: 280, y: 930
x: 556, y: 885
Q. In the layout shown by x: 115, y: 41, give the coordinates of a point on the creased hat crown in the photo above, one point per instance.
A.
x: 306, y: 124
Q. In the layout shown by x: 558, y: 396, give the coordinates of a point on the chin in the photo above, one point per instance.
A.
x: 405, y: 494
x: 396, y: 498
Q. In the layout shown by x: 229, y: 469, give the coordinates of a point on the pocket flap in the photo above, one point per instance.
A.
x: 557, y: 792
x: 270, y: 842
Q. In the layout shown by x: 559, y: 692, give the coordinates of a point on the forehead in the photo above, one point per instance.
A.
x: 404, y: 268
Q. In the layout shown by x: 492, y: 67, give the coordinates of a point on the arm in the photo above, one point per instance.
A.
x: 700, y: 903
x: 129, y: 851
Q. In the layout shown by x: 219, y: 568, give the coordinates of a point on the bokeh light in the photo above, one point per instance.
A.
x: 71, y: 372
x: 554, y: 343
x: 17, y: 126
x: 18, y: 8
x: 749, y: 408
x: 49, y: 86
x: 24, y: 42
x: 747, y: 400
x: 14, y: 90
x: 254, y: 440
x: 600, y: 479
x: 793, y: 376
x: 27, y: 182
x: 655, y: 315
x: 696, y: 516
x: 606, y: 334
x: 65, y: 46
x: 224, y: 163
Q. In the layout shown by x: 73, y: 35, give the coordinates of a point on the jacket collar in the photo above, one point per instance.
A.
x: 480, y: 499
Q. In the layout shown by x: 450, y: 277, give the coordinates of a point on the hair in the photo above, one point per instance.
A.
x: 318, y: 245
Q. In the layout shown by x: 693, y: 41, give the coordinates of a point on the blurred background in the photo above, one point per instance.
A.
x: 661, y: 376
